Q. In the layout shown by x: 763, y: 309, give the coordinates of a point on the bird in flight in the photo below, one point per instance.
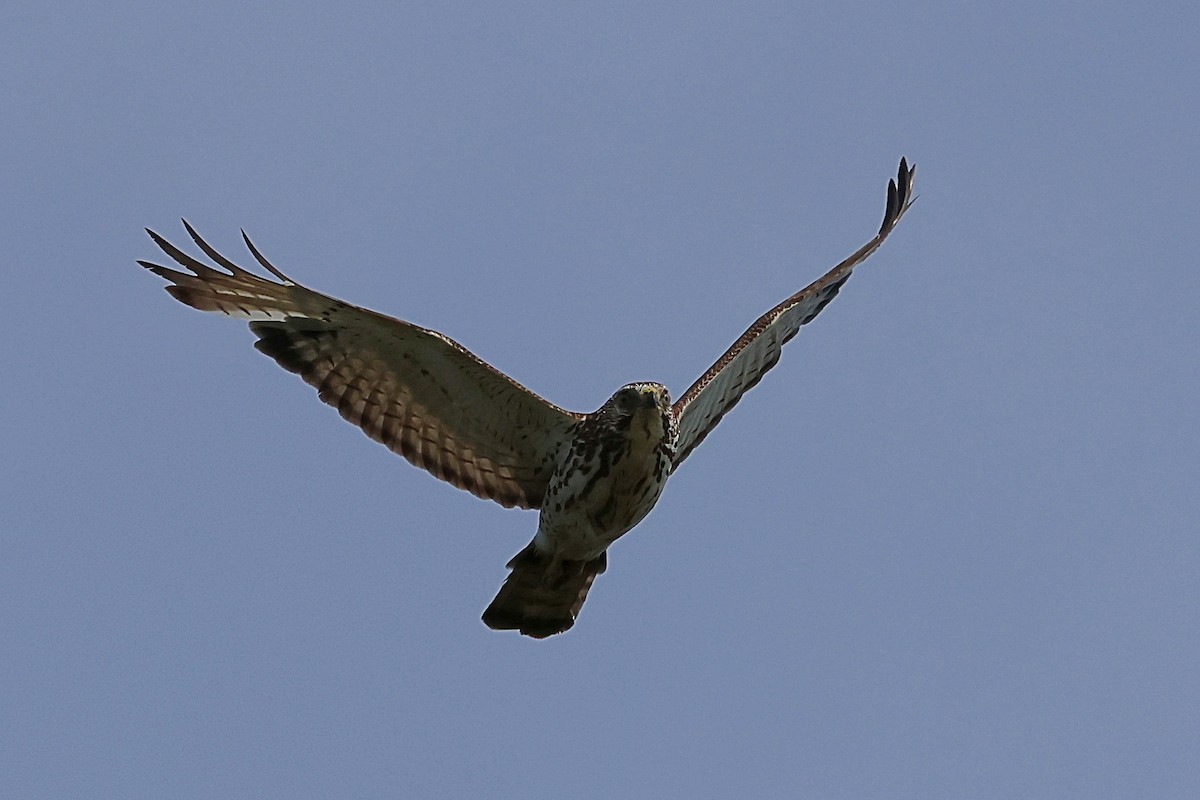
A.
x: 593, y: 477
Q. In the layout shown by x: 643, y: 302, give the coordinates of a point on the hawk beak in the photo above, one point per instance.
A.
x: 649, y: 398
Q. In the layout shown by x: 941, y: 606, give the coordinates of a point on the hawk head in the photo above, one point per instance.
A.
x: 641, y: 410
x: 634, y: 398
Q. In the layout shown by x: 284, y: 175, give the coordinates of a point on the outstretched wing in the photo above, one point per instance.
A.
x: 757, y: 350
x: 423, y: 395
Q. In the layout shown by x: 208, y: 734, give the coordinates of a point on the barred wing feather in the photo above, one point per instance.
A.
x: 421, y: 394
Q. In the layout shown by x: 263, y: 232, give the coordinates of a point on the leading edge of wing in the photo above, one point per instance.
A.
x: 183, y: 288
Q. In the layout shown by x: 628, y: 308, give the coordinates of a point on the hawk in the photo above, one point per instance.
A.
x: 593, y: 477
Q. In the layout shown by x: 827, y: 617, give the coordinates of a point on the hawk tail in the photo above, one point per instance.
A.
x: 543, y: 595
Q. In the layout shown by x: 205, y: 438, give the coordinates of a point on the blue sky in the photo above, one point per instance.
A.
x: 947, y: 548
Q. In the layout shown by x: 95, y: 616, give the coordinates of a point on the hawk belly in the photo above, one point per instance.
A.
x: 599, y: 492
x: 606, y: 479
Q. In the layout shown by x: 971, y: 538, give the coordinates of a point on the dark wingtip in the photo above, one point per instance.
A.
x: 899, y: 195
x: 212, y: 253
x: 904, y: 180
x: 889, y: 213
x: 187, y: 226
x: 203, y: 270
x: 267, y: 265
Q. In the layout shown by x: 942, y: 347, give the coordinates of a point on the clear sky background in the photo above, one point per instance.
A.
x: 949, y: 548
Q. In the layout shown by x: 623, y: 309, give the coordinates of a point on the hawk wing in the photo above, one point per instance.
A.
x: 757, y: 350
x: 423, y: 395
